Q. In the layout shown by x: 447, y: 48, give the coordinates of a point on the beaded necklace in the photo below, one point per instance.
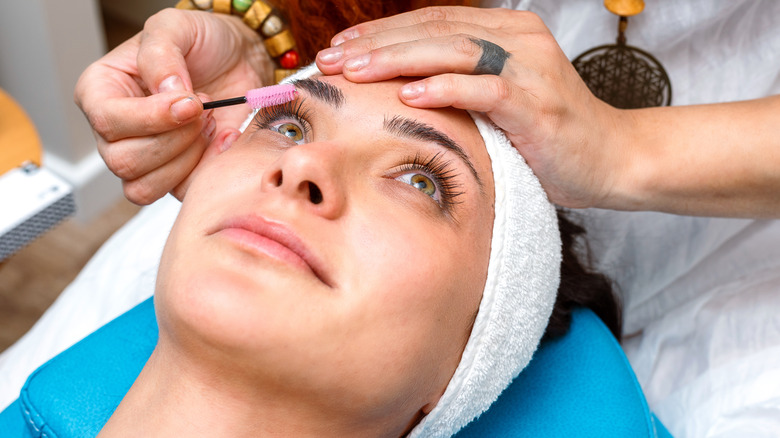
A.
x: 263, y: 19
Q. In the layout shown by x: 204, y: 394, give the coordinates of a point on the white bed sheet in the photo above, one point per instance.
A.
x: 702, y: 293
x: 119, y: 276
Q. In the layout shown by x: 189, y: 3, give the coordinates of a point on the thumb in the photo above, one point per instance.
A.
x: 166, y: 37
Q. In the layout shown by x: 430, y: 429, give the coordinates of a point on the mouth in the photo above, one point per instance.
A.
x: 260, y: 236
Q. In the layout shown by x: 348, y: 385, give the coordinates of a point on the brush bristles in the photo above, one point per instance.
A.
x: 270, y: 96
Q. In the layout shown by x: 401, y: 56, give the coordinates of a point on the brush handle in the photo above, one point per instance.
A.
x: 259, y: 97
x: 224, y: 102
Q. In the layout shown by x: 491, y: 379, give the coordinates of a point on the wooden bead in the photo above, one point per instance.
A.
x: 202, y: 4
x: 186, y: 5
x: 241, y: 6
x: 272, y: 26
x: 290, y: 59
x: 625, y: 8
x: 281, y: 73
x: 256, y: 14
x: 222, y: 6
x: 280, y: 43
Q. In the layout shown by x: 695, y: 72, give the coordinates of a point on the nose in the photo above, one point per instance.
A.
x: 308, y: 174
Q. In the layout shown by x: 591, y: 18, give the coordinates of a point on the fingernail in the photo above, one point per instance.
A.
x: 228, y: 142
x: 337, y: 40
x: 356, y: 64
x: 343, y: 36
x: 412, y: 91
x: 331, y: 55
x: 184, y: 109
x: 171, y: 83
x: 208, y: 131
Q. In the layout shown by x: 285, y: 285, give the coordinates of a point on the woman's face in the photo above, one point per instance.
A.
x: 338, y: 250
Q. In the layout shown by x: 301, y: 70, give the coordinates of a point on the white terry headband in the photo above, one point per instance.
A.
x: 522, y: 282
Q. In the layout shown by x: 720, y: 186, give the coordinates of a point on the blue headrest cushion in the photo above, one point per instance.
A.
x: 578, y: 385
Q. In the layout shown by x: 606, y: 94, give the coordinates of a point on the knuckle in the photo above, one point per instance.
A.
x: 442, y: 87
x: 153, y: 51
x: 365, y: 43
x: 120, y: 164
x: 432, y: 13
x: 534, y: 20
x: 465, y: 45
x: 102, y: 125
x: 82, y: 85
x: 498, y: 87
x: 526, y: 21
x: 361, y: 29
x: 544, y: 42
x: 531, y: 18
x: 437, y: 28
x: 140, y: 192
x: 162, y: 17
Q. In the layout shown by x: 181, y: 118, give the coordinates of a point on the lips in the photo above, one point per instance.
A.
x: 259, y: 235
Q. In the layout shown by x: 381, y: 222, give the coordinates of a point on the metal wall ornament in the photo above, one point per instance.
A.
x: 624, y: 76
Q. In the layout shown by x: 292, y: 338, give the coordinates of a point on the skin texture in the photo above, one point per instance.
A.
x: 539, y: 100
x: 352, y: 329
x: 141, y: 103
x: 711, y: 160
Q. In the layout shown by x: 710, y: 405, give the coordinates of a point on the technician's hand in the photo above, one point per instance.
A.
x: 506, y: 64
x: 142, y: 103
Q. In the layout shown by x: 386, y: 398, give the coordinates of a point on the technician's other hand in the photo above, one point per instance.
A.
x: 506, y: 64
x: 143, y: 99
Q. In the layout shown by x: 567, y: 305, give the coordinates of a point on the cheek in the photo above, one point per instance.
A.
x: 411, y: 300
x: 411, y: 274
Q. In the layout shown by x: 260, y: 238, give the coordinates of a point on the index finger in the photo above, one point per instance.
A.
x: 465, y: 14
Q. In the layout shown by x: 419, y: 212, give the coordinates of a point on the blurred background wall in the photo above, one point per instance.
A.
x: 44, y: 47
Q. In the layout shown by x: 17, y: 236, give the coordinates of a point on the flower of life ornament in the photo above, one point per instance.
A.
x: 621, y: 75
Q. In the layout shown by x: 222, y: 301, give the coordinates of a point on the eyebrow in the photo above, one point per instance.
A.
x: 397, y: 125
x: 322, y: 91
x: 412, y: 129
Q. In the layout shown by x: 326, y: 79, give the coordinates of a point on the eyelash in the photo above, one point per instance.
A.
x: 435, y: 166
x: 293, y: 110
x: 443, y: 175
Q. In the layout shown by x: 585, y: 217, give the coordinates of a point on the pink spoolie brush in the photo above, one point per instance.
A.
x: 259, y: 97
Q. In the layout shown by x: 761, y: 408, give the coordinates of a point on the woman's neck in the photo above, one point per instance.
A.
x: 188, y: 399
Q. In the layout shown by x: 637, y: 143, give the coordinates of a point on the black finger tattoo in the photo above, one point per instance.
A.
x: 492, y: 60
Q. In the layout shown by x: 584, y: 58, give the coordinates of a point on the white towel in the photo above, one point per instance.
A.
x: 522, y: 282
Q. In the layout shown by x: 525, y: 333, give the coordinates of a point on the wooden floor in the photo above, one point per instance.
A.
x: 31, y: 279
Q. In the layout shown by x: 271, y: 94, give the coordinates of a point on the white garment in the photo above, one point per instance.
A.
x: 705, y: 293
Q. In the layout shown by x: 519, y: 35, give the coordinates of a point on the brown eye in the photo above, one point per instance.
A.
x: 291, y: 131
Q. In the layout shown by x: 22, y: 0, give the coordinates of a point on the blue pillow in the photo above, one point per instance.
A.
x: 578, y: 385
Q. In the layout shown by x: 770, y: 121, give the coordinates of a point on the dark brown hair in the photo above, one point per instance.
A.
x: 581, y: 286
x: 314, y: 22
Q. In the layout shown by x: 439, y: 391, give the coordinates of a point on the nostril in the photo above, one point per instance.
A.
x: 315, y: 195
x: 278, y: 179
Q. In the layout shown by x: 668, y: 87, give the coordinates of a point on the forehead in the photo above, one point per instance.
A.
x: 375, y: 102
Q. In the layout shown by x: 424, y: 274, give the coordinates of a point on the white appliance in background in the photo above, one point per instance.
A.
x: 32, y: 200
